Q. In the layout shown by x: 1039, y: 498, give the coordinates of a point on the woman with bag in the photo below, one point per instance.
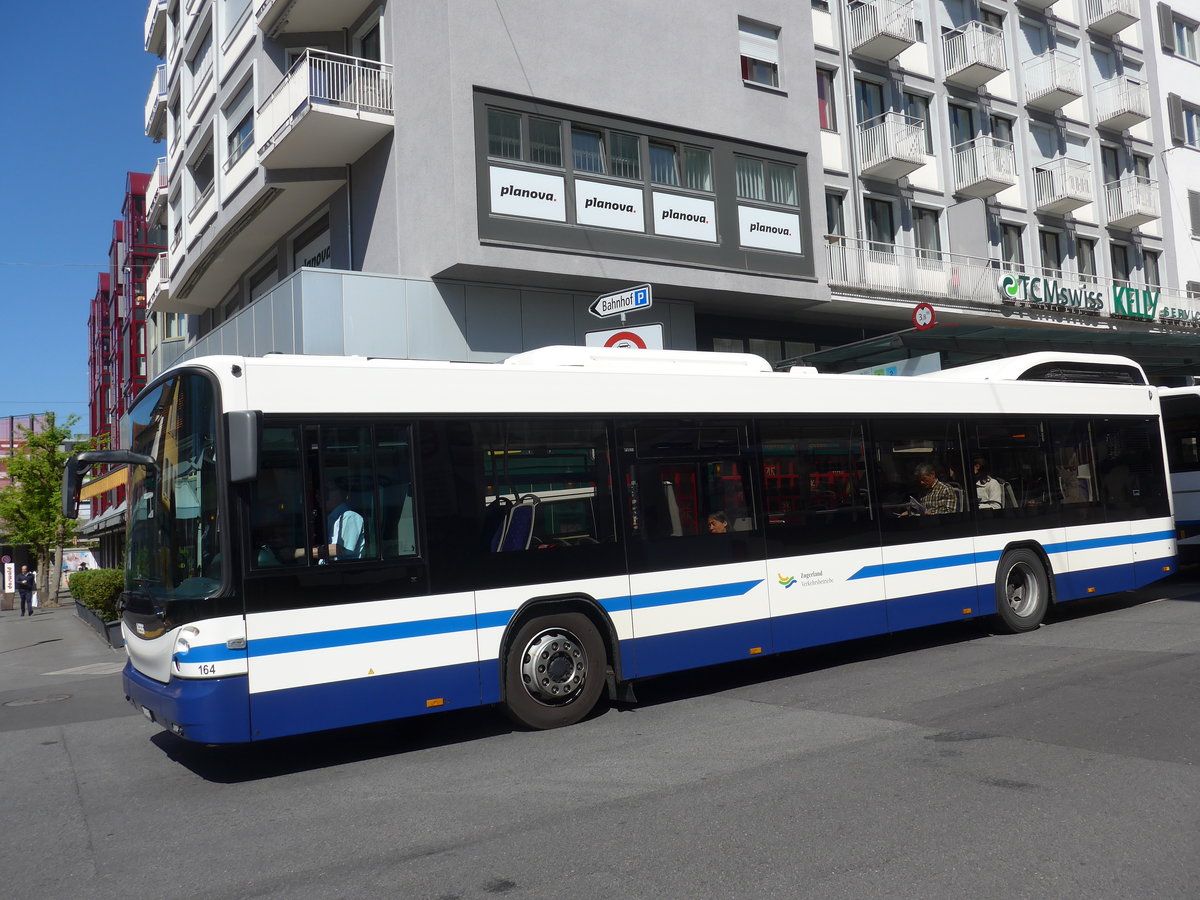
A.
x: 26, y: 585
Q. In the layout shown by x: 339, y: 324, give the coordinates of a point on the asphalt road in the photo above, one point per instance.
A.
x: 948, y: 763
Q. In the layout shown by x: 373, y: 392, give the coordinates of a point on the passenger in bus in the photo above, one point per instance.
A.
x: 718, y: 523
x: 939, y: 497
x: 987, y: 488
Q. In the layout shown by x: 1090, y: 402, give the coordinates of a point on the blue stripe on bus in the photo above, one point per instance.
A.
x: 367, y: 634
x: 965, y: 559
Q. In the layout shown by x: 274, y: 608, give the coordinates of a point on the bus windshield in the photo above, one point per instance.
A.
x: 173, y: 543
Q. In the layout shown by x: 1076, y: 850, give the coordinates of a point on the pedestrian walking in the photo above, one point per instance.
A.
x: 26, y: 585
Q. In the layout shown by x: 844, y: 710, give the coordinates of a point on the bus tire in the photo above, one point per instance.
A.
x: 554, y: 671
x: 1022, y: 591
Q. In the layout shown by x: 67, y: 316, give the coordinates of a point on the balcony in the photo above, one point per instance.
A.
x: 1042, y: 5
x: 1132, y: 201
x: 281, y: 16
x: 1062, y: 186
x: 156, y: 27
x: 973, y: 55
x: 1122, y: 102
x: 891, y: 146
x: 158, y: 284
x: 328, y: 111
x: 1052, y: 80
x: 984, y: 167
x: 156, y: 191
x: 156, y: 105
x: 1107, y: 17
x: 882, y: 29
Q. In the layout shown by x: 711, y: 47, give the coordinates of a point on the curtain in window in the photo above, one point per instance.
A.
x: 697, y: 169
x: 624, y: 155
x: 783, y: 183
x: 504, y: 134
x: 750, y: 185
x: 545, y: 141
x: 588, y: 150
x: 663, y: 169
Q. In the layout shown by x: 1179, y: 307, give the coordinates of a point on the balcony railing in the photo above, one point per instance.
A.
x: 1122, y: 102
x: 156, y: 104
x: 351, y: 98
x: 974, y: 54
x: 1052, y: 80
x: 1061, y: 186
x: 158, y: 282
x: 891, y: 146
x: 882, y: 29
x: 984, y: 167
x: 156, y: 27
x: 1132, y: 201
x: 1107, y: 17
x: 890, y: 272
x: 156, y: 190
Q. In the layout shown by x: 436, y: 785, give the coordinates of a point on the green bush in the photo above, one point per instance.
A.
x: 98, y: 589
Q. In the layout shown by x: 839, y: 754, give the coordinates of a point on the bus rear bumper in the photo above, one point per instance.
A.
x: 207, y: 711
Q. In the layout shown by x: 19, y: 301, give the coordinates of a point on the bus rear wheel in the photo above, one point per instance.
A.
x: 1022, y: 591
x: 554, y: 671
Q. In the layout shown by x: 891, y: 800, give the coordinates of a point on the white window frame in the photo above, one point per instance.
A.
x: 759, y: 43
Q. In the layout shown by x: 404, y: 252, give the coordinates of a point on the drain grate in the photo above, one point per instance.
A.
x: 34, y: 701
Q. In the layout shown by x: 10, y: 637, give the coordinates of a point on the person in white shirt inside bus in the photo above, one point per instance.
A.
x: 343, y: 528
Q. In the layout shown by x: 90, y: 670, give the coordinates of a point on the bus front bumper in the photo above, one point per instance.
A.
x: 207, y: 711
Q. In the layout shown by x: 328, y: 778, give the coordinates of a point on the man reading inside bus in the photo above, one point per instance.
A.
x: 939, y: 497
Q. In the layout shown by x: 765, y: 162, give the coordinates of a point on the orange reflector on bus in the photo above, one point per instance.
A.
x: 1091, y: 590
x: 1166, y: 568
x: 755, y: 650
x: 436, y: 701
x: 967, y: 611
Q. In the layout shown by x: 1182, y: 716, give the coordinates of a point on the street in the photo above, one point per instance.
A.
x: 946, y: 763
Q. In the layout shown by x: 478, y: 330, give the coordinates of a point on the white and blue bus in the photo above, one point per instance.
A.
x: 322, y: 542
x: 1181, y: 425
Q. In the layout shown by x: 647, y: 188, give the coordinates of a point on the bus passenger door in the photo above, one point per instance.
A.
x: 824, y: 563
x: 697, y: 575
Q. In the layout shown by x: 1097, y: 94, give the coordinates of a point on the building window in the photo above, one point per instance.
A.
x: 1194, y: 212
x: 962, y: 123
x: 1002, y: 129
x: 545, y: 141
x: 760, y: 53
x: 1052, y: 254
x: 1185, y: 39
x: 664, y: 167
x: 233, y: 14
x: 881, y: 226
x: 835, y: 213
x: 199, y: 63
x: 826, y: 108
x: 697, y: 168
x: 767, y: 181
x: 504, y: 134
x: 993, y: 18
x: 239, y: 125
x: 916, y: 107
x: 1191, y: 124
x: 1119, y: 256
x: 1012, y: 248
x: 202, y: 172
x: 1150, y: 269
x: 1085, y: 259
x: 1193, y: 290
x: 625, y: 155
x: 927, y: 233
x: 587, y: 147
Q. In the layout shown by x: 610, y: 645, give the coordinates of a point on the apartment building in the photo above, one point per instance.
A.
x: 460, y: 180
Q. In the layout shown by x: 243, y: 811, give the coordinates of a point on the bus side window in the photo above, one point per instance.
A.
x: 393, y: 458
x: 277, y: 507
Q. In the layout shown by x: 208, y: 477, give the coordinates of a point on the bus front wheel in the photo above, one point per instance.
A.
x: 1022, y: 591
x: 554, y: 671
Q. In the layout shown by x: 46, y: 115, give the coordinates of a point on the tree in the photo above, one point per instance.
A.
x: 31, y: 506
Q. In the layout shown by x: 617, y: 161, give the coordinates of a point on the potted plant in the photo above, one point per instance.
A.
x: 95, y: 592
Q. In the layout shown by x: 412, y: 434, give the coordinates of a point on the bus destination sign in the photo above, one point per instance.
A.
x: 629, y: 300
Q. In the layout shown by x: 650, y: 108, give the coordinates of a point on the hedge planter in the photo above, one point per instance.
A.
x: 110, y: 632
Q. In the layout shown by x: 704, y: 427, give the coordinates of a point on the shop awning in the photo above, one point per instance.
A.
x: 97, y: 486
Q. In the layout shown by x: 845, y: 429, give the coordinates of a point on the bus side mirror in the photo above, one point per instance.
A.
x: 78, y: 465
x: 243, y: 428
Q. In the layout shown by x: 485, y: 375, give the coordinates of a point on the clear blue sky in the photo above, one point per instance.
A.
x: 76, y: 79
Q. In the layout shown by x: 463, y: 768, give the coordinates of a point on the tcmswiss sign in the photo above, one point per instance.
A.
x: 1053, y: 293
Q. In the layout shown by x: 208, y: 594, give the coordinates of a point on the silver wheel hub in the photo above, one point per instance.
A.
x: 553, y: 667
x: 1022, y: 590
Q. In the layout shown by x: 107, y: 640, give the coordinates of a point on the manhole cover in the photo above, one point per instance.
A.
x: 34, y: 701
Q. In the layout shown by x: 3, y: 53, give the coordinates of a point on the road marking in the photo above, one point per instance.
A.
x: 104, y: 668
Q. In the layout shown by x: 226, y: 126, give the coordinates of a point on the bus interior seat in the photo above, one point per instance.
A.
x: 398, y: 531
x: 743, y: 523
x: 495, y: 522
x: 959, y: 497
x: 1008, y: 500
x: 519, y: 531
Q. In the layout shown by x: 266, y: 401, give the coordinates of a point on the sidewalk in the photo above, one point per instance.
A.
x: 51, y: 640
